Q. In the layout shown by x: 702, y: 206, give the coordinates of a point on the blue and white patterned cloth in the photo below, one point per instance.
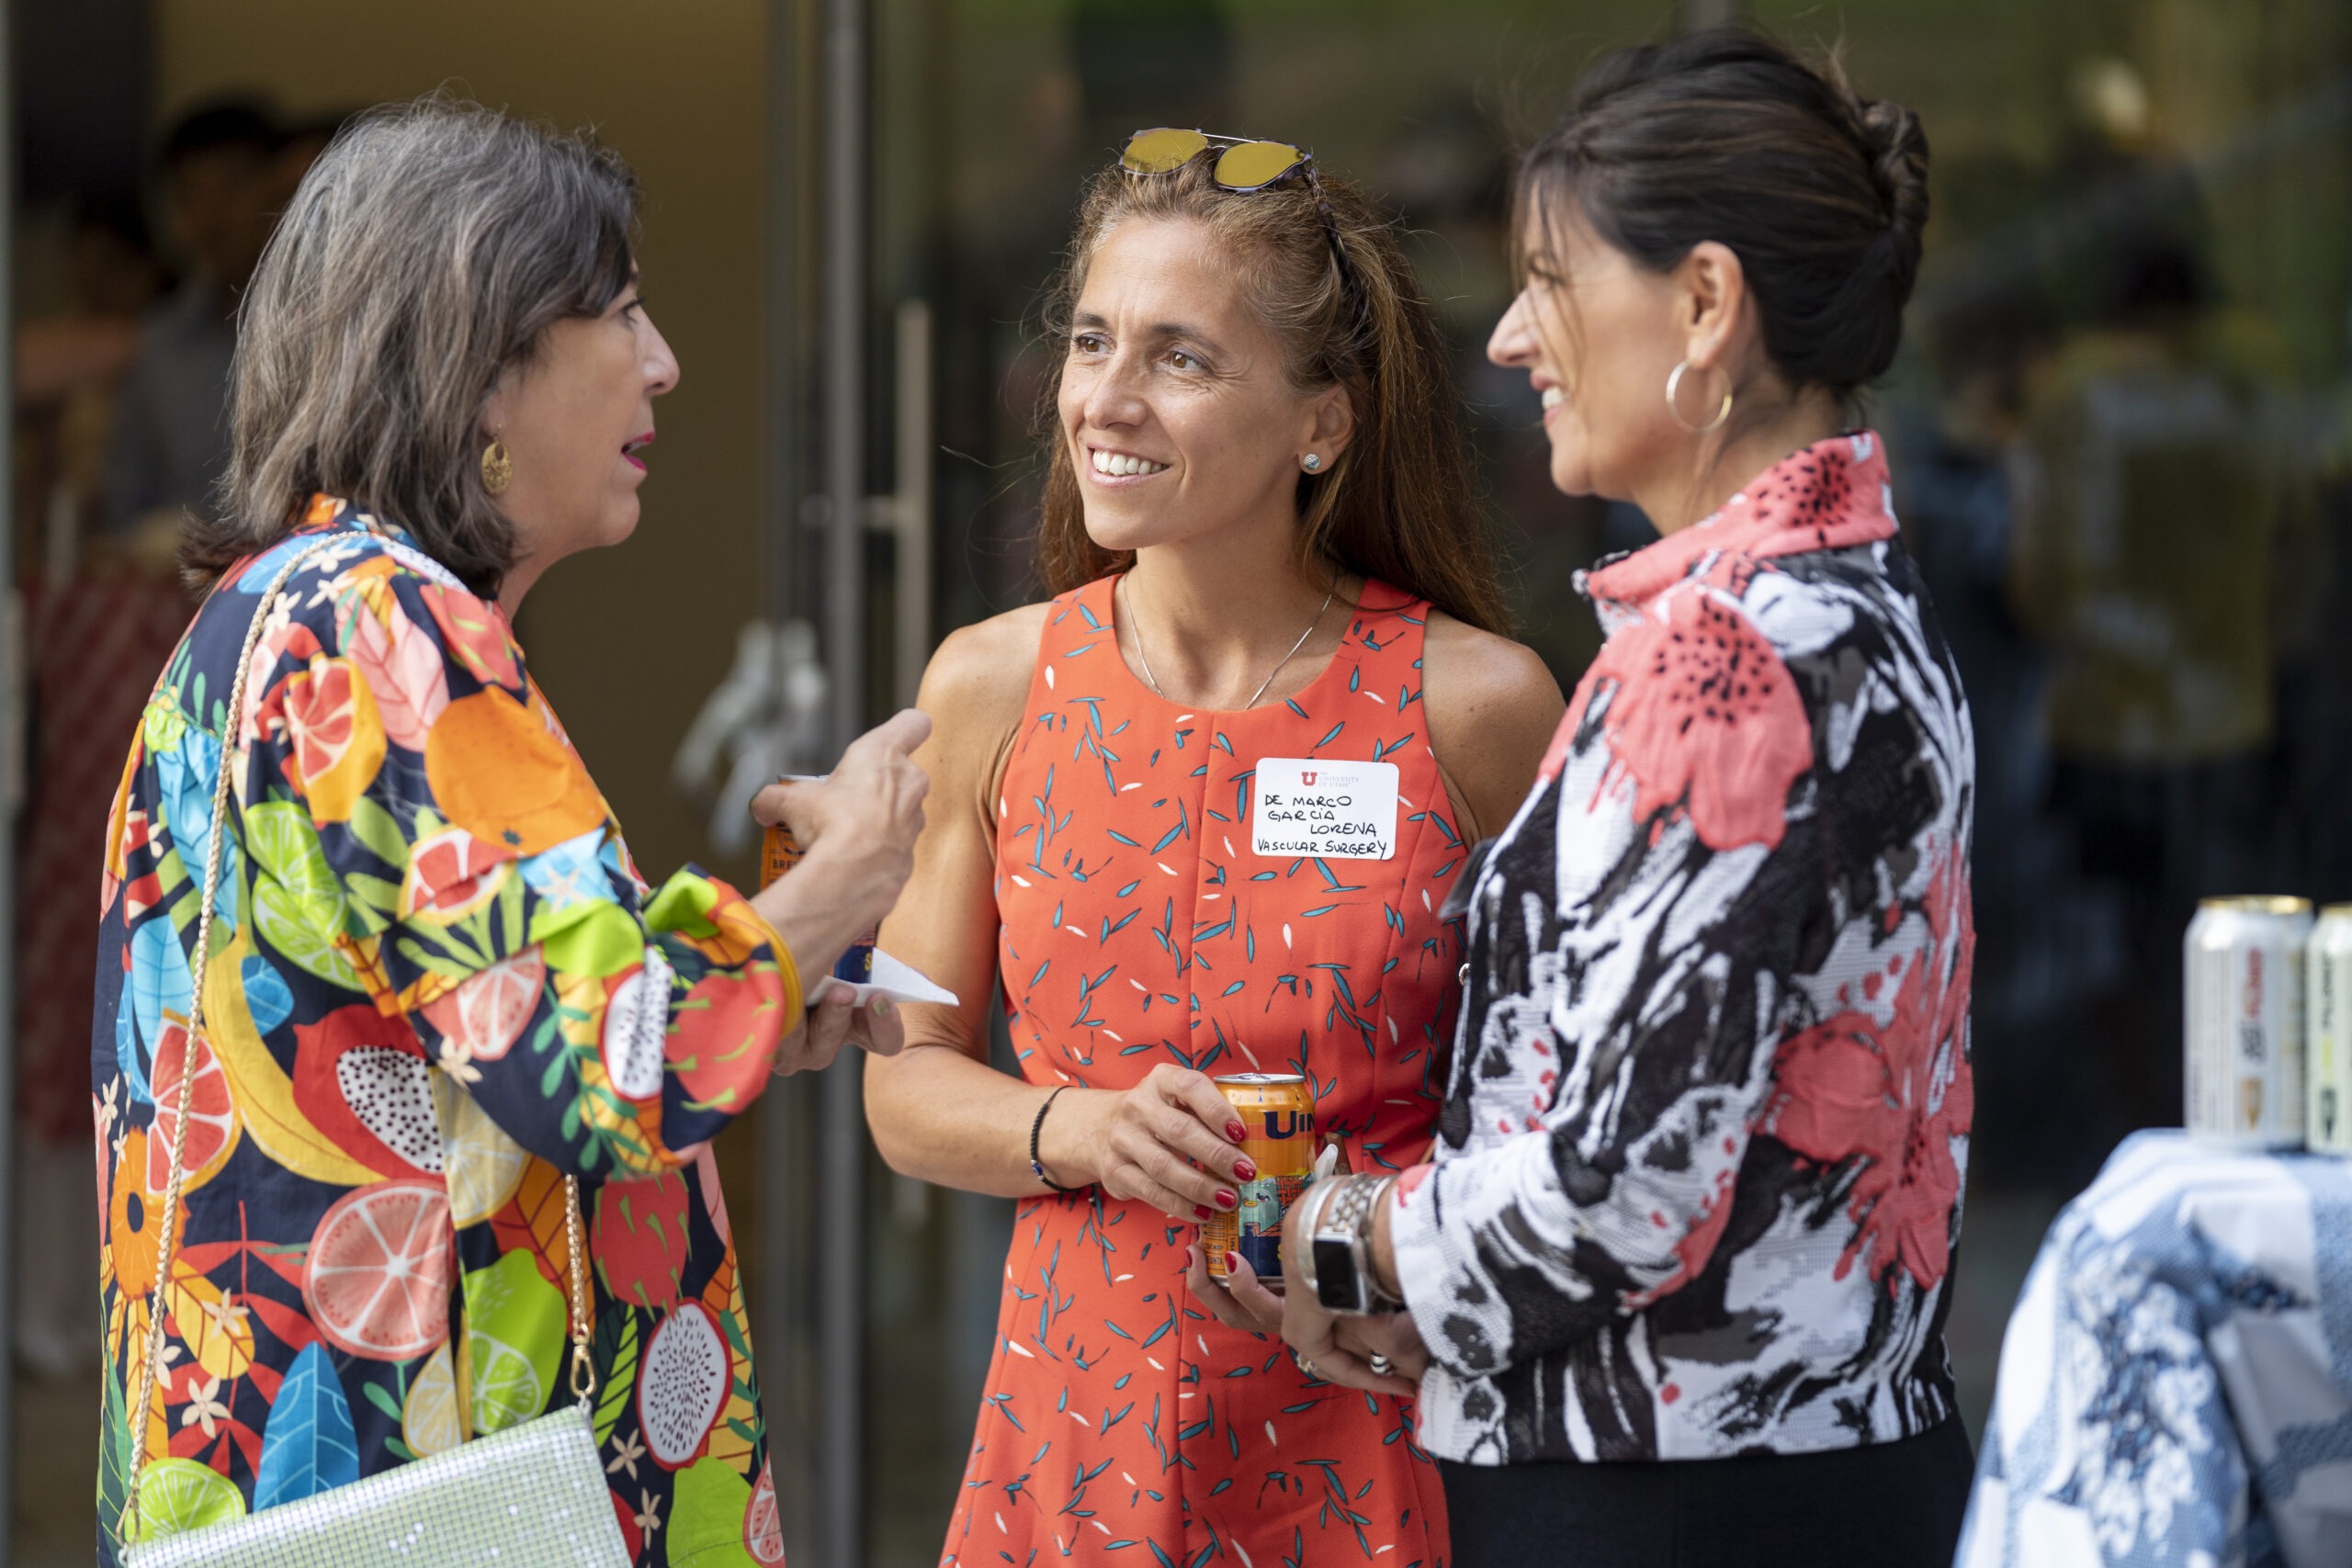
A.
x: 2175, y: 1387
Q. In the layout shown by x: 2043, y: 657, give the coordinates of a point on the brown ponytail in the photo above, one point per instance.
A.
x: 1398, y: 504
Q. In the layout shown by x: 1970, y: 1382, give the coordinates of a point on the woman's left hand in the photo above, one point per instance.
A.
x: 1240, y: 1299
x: 1339, y: 1349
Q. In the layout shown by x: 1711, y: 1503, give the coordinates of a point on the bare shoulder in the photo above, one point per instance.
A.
x: 979, y: 675
x: 1492, y: 706
x: 1481, y: 689
x: 974, y: 691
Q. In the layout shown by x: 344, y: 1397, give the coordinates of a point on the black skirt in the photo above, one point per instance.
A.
x: 1887, y: 1506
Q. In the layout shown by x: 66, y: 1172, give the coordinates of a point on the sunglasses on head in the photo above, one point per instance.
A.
x: 1244, y: 166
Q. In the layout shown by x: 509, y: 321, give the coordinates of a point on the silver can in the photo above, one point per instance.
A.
x: 2327, y: 1055
x: 2245, y: 993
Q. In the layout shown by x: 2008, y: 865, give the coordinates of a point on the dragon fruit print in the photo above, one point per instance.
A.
x: 681, y: 1384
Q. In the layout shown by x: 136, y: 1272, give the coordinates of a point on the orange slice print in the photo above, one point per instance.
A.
x: 378, y: 1279
x: 212, y: 1113
x: 451, y: 873
x: 497, y: 773
x: 338, y: 738
x: 485, y: 1014
x: 763, y: 1530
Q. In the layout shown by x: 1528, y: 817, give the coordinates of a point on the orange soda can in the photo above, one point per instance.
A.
x: 1278, y: 1112
x: 779, y: 852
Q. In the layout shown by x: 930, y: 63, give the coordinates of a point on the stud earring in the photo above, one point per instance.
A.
x: 497, y: 468
x: 1311, y: 463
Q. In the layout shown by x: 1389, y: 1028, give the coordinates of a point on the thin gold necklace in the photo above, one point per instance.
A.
x: 1144, y: 659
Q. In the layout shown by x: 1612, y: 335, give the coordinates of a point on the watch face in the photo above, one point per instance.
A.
x: 1335, y: 1275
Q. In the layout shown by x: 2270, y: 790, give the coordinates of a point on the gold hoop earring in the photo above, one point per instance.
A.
x: 1674, y: 386
x: 497, y: 468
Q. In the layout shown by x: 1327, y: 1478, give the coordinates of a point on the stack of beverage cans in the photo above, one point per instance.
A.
x: 2268, y: 1013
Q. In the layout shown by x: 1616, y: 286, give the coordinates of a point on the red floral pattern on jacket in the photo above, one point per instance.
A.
x: 1699, y: 1173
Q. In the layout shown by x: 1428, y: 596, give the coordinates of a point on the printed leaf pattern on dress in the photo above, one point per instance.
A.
x: 1121, y: 1419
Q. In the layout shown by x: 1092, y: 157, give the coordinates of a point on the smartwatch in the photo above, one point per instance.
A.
x: 1342, y: 1229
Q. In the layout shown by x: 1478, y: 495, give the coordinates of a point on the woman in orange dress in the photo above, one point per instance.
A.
x: 1259, y: 528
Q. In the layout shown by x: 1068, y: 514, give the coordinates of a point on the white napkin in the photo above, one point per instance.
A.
x: 899, y: 981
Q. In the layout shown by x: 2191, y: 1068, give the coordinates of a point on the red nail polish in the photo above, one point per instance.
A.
x: 1236, y: 1131
x: 1233, y: 1263
x: 1225, y: 1199
x: 1244, y: 1171
x: 1200, y: 1213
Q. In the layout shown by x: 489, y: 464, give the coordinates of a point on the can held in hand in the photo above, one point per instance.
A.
x: 2327, y: 1052
x: 1277, y: 1112
x: 779, y: 852
x: 2243, y: 996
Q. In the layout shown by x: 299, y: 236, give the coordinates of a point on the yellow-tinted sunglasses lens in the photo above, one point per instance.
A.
x: 1159, y: 151
x: 1255, y: 163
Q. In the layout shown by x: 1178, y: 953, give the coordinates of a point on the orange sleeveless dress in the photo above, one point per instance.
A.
x: 1122, y: 1420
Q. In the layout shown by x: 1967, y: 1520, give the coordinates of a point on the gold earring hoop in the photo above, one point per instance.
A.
x: 497, y: 468
x: 1674, y: 407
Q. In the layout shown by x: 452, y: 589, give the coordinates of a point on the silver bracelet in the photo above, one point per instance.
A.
x: 1359, y: 1244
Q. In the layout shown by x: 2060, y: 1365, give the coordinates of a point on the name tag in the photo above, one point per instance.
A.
x: 1303, y: 805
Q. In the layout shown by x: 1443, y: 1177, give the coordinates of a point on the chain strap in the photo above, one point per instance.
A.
x: 583, y: 1376
x: 584, y: 1370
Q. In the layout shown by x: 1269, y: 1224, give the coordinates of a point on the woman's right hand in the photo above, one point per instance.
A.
x: 1169, y: 1141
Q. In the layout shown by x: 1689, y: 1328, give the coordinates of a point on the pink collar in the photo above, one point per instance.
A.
x: 1829, y: 496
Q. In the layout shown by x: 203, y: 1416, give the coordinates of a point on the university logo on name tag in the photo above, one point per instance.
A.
x: 1307, y: 806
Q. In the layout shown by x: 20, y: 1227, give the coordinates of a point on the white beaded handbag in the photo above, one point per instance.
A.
x: 531, y: 1496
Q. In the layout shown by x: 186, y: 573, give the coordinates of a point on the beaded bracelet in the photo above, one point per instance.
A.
x: 1036, y: 1166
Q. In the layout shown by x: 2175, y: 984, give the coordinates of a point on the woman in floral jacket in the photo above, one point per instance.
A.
x: 437, y: 985
x: 1675, y: 1284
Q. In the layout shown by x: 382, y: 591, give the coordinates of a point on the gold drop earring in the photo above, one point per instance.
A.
x: 497, y: 467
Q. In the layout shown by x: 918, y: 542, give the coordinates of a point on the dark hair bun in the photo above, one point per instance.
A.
x: 1726, y: 135
x: 1898, y: 149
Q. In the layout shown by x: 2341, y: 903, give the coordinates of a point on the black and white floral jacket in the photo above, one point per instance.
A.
x: 1698, y: 1180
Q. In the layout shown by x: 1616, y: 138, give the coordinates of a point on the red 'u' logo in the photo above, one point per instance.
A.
x: 1309, y: 777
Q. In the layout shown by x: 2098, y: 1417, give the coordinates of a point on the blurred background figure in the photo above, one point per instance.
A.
x: 221, y: 181
x: 122, y: 395
x: 68, y: 368
x: 2162, y: 557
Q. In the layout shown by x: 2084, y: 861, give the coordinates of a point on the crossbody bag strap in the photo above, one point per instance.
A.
x: 583, y: 1376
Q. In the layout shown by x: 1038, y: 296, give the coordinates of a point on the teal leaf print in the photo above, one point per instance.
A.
x: 126, y: 1050
x: 266, y: 996
x: 160, y: 980
x: 309, y: 1445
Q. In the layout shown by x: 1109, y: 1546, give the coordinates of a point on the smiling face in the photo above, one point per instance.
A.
x: 1177, y: 413
x: 574, y: 420
x: 1597, y: 335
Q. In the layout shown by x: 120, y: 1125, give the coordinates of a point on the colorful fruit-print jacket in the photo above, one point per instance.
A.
x: 1698, y: 1180
x: 437, y: 985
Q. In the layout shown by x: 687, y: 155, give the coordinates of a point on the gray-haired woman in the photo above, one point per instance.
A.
x: 434, y: 984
